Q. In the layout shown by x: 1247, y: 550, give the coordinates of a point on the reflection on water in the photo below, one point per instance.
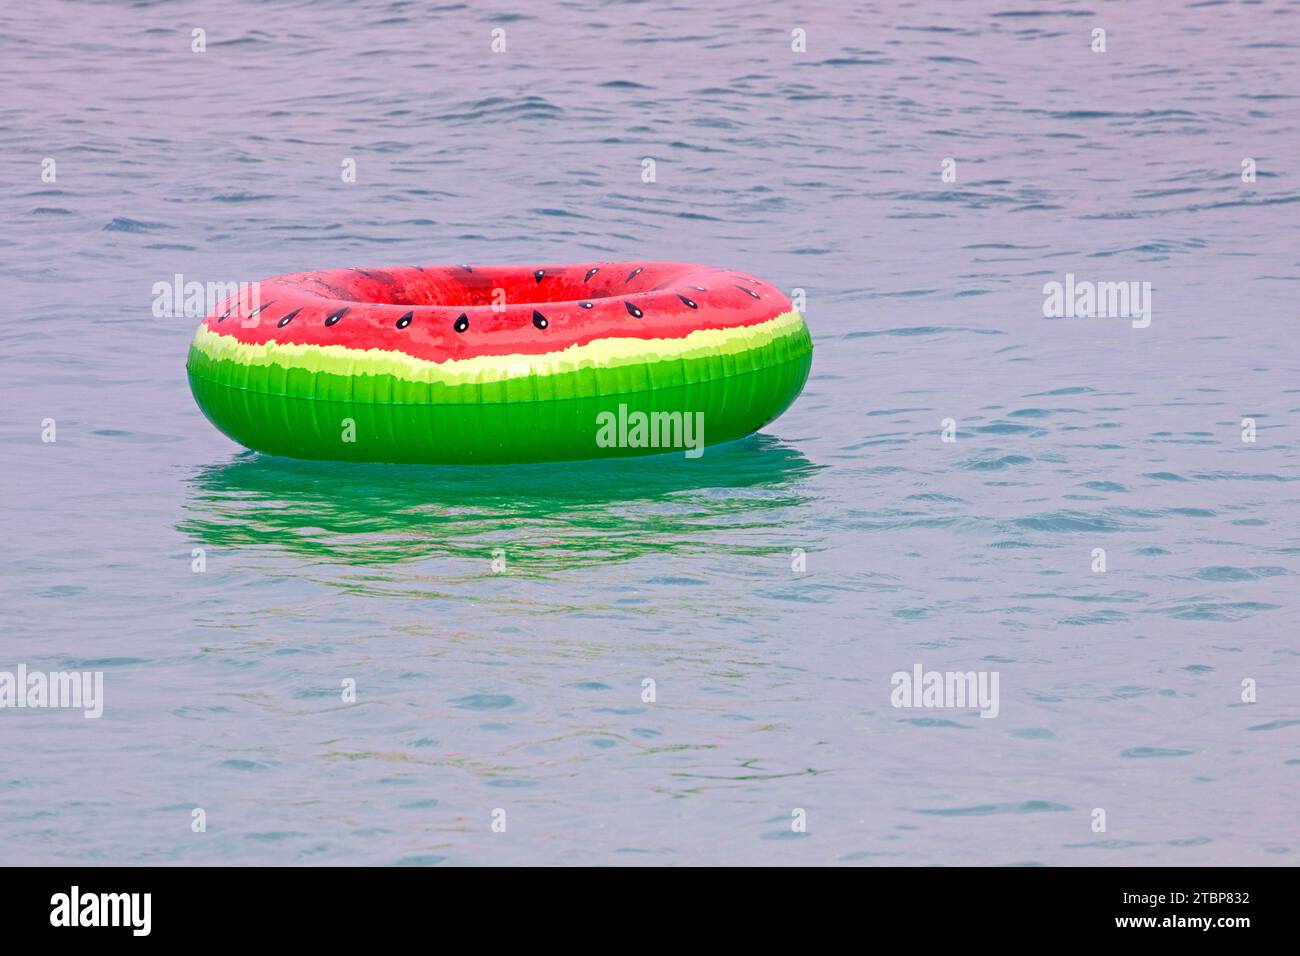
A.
x: 555, y: 516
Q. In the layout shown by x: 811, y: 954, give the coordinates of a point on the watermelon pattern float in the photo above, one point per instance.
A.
x: 495, y: 364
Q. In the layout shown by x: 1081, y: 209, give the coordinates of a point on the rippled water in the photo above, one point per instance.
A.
x: 522, y: 691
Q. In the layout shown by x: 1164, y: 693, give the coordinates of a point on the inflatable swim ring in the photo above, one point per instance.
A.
x: 493, y: 364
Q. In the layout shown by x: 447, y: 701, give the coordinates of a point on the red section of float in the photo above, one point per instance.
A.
x: 455, y: 312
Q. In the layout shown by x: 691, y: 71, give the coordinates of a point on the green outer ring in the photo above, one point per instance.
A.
x: 301, y: 413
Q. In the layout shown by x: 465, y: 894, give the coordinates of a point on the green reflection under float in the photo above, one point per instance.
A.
x: 738, y: 498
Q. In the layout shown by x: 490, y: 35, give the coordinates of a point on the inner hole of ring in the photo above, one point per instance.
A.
x: 460, y: 289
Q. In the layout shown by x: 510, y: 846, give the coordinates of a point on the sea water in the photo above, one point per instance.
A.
x: 669, y: 660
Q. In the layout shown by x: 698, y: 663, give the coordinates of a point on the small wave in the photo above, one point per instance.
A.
x: 1073, y: 522
x: 1003, y: 428
x: 918, y: 329
x: 1144, y: 752
x: 1275, y: 725
x: 241, y: 197
x: 991, y: 809
x: 1104, y: 486
x: 122, y: 224
x: 1228, y: 573
x: 994, y: 464
x: 1204, y: 611
x: 484, y: 702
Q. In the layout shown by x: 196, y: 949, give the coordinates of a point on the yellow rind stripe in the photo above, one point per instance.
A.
x: 604, y: 353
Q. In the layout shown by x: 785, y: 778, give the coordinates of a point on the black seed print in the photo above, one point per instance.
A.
x: 462, y: 323
x: 633, y: 310
x: 538, y: 275
x: 687, y: 301
x: 634, y: 273
x: 539, y: 320
x: 333, y: 317
x: 590, y: 272
x: 749, y: 292
x: 699, y: 288
x: 466, y: 268
x: 225, y: 315
x: 405, y: 320
x: 258, y: 311
x: 287, y: 319
x: 587, y: 305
